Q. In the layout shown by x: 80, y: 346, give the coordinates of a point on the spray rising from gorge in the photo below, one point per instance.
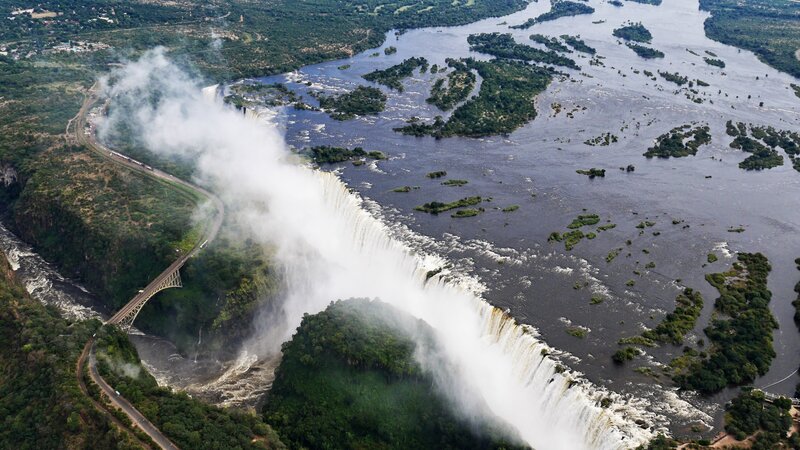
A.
x: 328, y: 247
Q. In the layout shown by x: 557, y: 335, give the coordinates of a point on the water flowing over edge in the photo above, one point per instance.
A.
x: 566, y: 399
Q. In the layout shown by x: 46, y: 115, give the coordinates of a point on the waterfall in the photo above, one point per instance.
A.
x: 212, y: 93
x: 551, y: 406
x: 328, y: 247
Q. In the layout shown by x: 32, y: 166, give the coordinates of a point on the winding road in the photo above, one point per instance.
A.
x: 79, y: 132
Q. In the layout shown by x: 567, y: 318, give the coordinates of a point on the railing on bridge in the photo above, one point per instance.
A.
x: 127, y: 315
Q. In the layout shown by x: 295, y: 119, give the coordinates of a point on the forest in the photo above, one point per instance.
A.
x: 770, y: 29
x: 460, y: 83
x: 393, y: 76
x: 550, y: 43
x: 762, y: 144
x: 41, y: 405
x: 681, y: 141
x: 645, y: 52
x: 349, y: 379
x: 633, y: 32
x: 504, y: 46
x: 578, y: 44
x: 361, y: 101
x: 187, y: 422
x: 504, y: 103
x: 751, y: 413
x: 741, y: 333
x: 326, y: 154
x: 675, y: 325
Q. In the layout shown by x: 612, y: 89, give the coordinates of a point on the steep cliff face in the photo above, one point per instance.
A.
x: 224, y: 288
x: 115, y: 230
x: 112, y: 229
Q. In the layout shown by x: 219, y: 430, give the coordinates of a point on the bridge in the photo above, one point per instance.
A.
x: 169, y: 278
x: 79, y: 131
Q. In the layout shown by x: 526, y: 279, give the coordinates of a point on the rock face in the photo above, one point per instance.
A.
x: 8, y: 175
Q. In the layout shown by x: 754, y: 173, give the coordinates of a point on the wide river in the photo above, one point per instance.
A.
x: 534, y: 168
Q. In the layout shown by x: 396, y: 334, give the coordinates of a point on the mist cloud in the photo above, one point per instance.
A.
x: 329, y: 248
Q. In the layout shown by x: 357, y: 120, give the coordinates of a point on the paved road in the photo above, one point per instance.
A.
x: 100, y: 407
x: 84, y: 137
x: 81, y: 134
x: 120, y: 403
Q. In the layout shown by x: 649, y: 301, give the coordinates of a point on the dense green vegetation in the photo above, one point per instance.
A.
x: 681, y: 141
x: 676, y: 78
x: 625, y: 354
x: 660, y: 442
x: 504, y: 46
x: 578, y: 332
x: 460, y: 83
x: 577, y: 43
x: 393, y: 76
x: 740, y: 333
x: 682, y: 320
x: 550, y: 42
x: 750, y: 413
x: 74, y: 193
x: 439, y: 207
x: 762, y: 142
x: 645, y: 52
x: 768, y: 28
x: 559, y: 8
x: 361, y: 101
x: 715, y: 62
x: 41, y: 405
x: 349, y: 379
x: 326, y: 154
x: 796, y: 89
x: 762, y: 158
x: 575, y: 235
x: 584, y: 220
x: 187, y: 422
x: 505, y: 102
x: 224, y: 286
x: 259, y: 38
x: 633, y: 32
